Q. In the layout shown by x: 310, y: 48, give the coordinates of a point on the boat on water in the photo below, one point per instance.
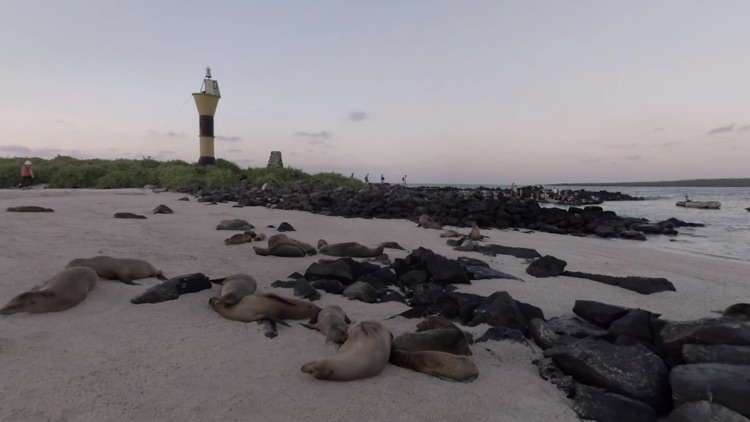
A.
x: 709, y: 205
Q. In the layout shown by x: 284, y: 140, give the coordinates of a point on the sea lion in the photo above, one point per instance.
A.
x: 123, y: 269
x: 281, y: 245
x: 65, y: 290
x: 364, y: 354
x: 258, y: 306
x: 739, y: 311
x: 437, y: 364
x: 235, y: 287
x: 450, y: 233
x: 238, y: 239
x: 426, y: 222
x: 433, y: 334
x: 331, y: 321
x: 348, y: 249
x: 173, y: 288
x: 362, y: 291
x: 234, y: 224
x: 474, y: 234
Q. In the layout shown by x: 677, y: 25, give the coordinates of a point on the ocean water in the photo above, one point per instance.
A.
x: 727, y: 230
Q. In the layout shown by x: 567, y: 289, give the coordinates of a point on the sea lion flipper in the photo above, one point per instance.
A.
x: 312, y: 327
x: 161, y: 276
x: 274, y: 319
x: 347, y: 320
x: 217, y: 280
x: 127, y: 280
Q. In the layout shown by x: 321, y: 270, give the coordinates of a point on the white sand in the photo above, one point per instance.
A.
x: 108, y: 359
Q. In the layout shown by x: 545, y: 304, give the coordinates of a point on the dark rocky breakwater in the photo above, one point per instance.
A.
x: 490, y: 208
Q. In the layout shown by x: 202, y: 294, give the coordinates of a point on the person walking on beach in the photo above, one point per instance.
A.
x: 367, y: 178
x: 403, y: 180
x: 27, y: 175
x: 382, y: 179
x: 513, y: 189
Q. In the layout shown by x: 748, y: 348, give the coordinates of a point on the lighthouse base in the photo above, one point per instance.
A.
x: 206, y: 161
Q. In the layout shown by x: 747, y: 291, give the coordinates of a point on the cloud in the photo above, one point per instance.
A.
x: 358, y: 116
x: 229, y: 138
x: 592, y: 160
x: 670, y: 143
x: 323, y: 134
x: 625, y: 146
x: 15, y: 149
x: 171, y: 134
x: 63, y: 122
x: 721, y: 129
x: 634, y: 157
x: 234, y: 150
x: 743, y: 128
x: 42, y: 152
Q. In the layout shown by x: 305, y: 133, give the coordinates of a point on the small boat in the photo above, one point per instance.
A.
x: 710, y: 205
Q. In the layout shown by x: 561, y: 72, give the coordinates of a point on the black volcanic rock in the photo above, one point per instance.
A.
x: 546, y: 266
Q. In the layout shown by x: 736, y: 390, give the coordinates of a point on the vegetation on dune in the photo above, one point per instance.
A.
x: 69, y: 172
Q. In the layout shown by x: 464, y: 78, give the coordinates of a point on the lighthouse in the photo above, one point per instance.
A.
x: 206, y: 100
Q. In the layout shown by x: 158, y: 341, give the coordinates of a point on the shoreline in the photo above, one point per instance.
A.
x: 109, y: 359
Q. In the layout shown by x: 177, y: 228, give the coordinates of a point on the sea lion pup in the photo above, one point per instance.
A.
x: 349, y: 249
x: 123, y: 269
x: 260, y: 306
x: 331, y: 321
x: 436, y: 334
x: 235, y: 287
x: 474, y: 234
x: 364, y: 354
x: 63, y: 291
x: 426, y: 222
x: 450, y: 233
x: 739, y: 311
x: 437, y: 364
x: 281, y: 245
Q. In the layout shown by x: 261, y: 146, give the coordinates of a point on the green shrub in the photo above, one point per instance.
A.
x: 68, y: 172
x: 333, y: 180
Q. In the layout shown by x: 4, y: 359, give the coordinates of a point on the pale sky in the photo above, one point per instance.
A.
x: 485, y: 92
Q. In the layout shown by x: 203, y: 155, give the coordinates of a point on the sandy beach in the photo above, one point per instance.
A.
x: 107, y: 359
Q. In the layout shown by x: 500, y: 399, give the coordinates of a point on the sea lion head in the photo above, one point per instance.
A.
x: 739, y: 311
x: 75, y: 263
x: 337, y: 334
x: 27, y: 302
x: 321, y: 243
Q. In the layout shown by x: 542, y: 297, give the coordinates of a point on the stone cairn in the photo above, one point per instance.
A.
x: 274, y: 162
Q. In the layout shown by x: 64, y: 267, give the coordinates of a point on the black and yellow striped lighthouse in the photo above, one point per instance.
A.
x: 206, y: 101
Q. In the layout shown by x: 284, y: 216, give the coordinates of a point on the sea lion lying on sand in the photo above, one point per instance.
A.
x: 364, y: 354
x: 426, y: 222
x: 63, y: 291
x: 235, y: 287
x: 123, y: 269
x: 349, y: 249
x: 281, y: 245
x: 260, y: 306
x: 437, y: 334
x: 438, y: 364
x: 331, y: 321
x: 739, y: 311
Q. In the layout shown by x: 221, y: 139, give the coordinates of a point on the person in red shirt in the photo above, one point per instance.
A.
x: 27, y: 175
